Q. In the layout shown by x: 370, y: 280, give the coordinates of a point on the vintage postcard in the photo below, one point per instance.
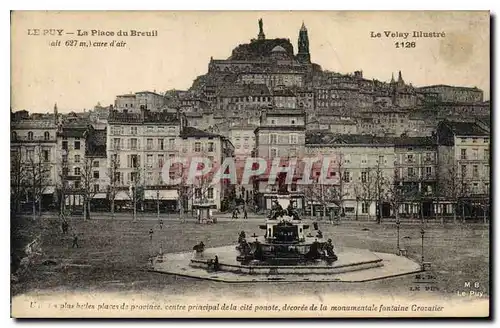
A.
x: 250, y: 164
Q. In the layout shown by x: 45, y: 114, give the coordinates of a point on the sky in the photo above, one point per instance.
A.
x: 77, y: 77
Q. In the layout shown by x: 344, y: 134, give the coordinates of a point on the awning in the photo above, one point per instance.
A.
x: 49, y: 190
x: 101, y: 195
x: 122, y: 195
x: 161, y: 194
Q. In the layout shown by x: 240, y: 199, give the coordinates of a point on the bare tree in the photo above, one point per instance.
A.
x: 453, y: 188
x: 87, y: 184
x: 114, y: 176
x: 136, y: 190
x: 18, y: 176
x: 38, y: 170
x: 367, y: 189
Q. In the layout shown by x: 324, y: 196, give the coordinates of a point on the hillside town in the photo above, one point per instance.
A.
x: 401, y: 150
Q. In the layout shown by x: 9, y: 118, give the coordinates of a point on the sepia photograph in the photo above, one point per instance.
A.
x: 250, y: 164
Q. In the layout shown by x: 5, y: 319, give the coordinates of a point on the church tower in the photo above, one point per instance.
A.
x: 303, y: 55
x: 56, y: 114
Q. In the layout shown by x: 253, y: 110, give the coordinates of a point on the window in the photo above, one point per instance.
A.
x: 475, y: 187
x: 486, y: 140
x: 475, y: 171
x: 364, y: 207
x: 151, y: 129
x: 133, y: 130
x: 211, y: 147
x: 463, y: 139
x: 486, y: 154
x: 160, y: 144
x: 30, y: 135
x: 77, y: 184
x: 428, y: 170
x: 410, y: 158
x: 77, y: 171
x: 77, y: 144
x: 46, y: 135
x: 428, y: 157
x: 77, y: 158
x: 273, y: 122
x: 96, y: 188
x: 293, y: 139
x: 346, y: 177
x: 292, y: 152
x: 364, y: 176
x: 273, y: 139
x: 116, y: 143
x: 160, y: 160
x: 149, y: 160
x: 463, y: 153
x: 274, y: 152
x: 364, y: 159
x: 95, y: 164
x: 14, y: 135
x: 381, y: 159
x: 474, y: 140
x: 149, y: 144
x: 171, y: 143
x: 65, y: 145
x: 197, y: 193
x: 411, y: 172
x: 464, y: 170
x: 133, y: 143
x: 65, y: 158
x: 475, y: 153
x: 45, y: 154
x: 96, y: 174
x: 487, y: 171
x: 197, y: 147
x: 210, y: 193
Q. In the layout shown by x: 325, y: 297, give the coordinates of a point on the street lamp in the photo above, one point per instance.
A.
x: 398, y: 223
x: 422, y: 232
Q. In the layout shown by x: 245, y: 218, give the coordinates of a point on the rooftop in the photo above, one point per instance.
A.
x: 415, y: 141
x: 466, y: 129
x: 33, y: 124
x: 190, y: 132
x: 330, y: 138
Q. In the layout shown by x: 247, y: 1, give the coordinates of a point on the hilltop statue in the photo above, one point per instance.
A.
x: 261, y: 36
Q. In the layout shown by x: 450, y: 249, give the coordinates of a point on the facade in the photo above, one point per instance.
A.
x: 33, y: 147
x: 242, y: 137
x: 133, y: 102
x: 363, y: 167
x: 453, y: 94
x: 197, y: 143
x: 281, y: 134
x: 95, y: 152
x: 416, y: 175
x: 464, y: 166
x: 138, y: 144
x: 71, y: 146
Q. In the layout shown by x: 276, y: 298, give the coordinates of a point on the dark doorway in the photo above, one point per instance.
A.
x: 386, y: 210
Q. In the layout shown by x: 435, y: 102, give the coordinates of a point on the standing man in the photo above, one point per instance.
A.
x: 75, y: 241
x: 161, y: 224
x: 151, y: 234
x: 245, y: 214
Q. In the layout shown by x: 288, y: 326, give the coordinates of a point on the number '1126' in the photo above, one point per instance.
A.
x: 405, y: 44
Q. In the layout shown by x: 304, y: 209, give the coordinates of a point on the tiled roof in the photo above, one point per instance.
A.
x: 330, y: 138
x: 466, y: 129
x: 190, y: 132
x: 415, y: 141
x: 34, y: 124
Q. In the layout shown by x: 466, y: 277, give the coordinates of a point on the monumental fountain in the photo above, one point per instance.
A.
x: 289, y: 249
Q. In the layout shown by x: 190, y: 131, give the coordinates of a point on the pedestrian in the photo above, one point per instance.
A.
x: 161, y: 224
x: 235, y: 213
x: 245, y: 214
x: 151, y: 234
x: 75, y: 241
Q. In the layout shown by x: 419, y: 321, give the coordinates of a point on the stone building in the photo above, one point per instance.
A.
x: 454, y: 94
x: 363, y: 167
x: 138, y: 145
x: 464, y: 166
x: 33, y: 148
